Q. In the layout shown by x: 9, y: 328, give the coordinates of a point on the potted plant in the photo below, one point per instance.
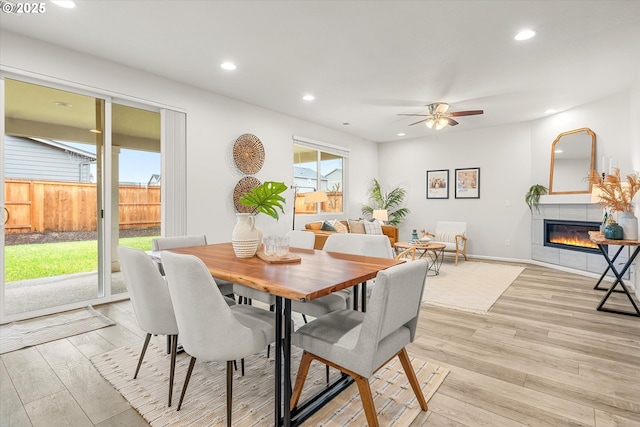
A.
x: 532, y: 198
x: 265, y: 198
x: 391, y: 202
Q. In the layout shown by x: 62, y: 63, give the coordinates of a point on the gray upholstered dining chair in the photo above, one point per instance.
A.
x: 358, y: 244
x: 210, y: 329
x: 151, y: 303
x: 358, y: 344
x: 173, y: 242
x: 321, y: 306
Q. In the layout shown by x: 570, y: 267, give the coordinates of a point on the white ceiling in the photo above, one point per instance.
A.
x: 366, y: 61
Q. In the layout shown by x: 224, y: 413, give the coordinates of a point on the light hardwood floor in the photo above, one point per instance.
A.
x: 543, y: 356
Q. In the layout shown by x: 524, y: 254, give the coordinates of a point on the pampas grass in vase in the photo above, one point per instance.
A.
x: 617, y: 195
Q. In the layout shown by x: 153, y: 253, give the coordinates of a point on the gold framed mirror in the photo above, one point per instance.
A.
x: 572, y: 158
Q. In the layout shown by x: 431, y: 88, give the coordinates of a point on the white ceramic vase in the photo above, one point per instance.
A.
x: 629, y: 223
x: 245, y: 237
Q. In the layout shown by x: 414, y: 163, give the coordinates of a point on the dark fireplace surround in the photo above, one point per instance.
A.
x: 570, y: 235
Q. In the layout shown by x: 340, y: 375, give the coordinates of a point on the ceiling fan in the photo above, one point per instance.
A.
x: 438, y: 117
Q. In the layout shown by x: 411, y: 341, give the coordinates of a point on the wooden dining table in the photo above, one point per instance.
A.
x: 317, y: 273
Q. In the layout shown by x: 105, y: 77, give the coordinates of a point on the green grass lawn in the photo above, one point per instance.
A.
x: 24, y: 262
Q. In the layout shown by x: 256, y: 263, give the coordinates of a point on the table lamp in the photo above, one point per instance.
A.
x: 381, y: 215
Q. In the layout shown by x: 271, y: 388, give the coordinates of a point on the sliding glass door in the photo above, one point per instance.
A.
x: 136, y: 183
x: 53, y: 149
x: 81, y: 175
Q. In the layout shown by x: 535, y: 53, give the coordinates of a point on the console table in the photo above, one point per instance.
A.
x: 598, y: 239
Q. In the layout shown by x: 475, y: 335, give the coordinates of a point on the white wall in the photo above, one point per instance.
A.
x: 213, y: 124
x: 501, y: 153
x: 511, y: 159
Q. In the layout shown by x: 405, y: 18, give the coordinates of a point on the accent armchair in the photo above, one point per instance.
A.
x: 453, y: 235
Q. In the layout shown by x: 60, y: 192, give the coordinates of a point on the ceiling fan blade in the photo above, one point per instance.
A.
x: 421, y: 121
x: 467, y: 113
x: 441, y: 107
x: 421, y: 115
x: 451, y: 121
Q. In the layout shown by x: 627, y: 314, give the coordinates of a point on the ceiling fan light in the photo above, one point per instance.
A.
x: 441, y: 123
x: 430, y: 122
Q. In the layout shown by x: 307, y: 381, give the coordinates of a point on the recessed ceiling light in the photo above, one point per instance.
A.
x: 68, y: 4
x: 550, y: 111
x: 62, y: 104
x: 229, y: 66
x: 309, y: 97
x: 525, y: 35
x: 558, y: 151
x: 401, y: 134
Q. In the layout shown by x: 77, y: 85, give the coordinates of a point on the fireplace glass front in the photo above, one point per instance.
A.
x: 570, y: 235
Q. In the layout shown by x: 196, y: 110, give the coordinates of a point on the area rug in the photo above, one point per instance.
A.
x: 205, y: 401
x: 26, y: 333
x: 470, y: 286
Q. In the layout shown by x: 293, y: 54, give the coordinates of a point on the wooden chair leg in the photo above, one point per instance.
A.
x: 172, y: 368
x: 413, y: 380
x: 144, y: 350
x: 367, y: 400
x: 229, y: 391
x: 303, y: 370
x: 192, y: 362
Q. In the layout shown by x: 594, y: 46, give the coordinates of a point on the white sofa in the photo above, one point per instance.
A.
x: 453, y: 235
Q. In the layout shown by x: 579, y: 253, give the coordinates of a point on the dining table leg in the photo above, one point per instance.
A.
x: 278, y: 374
x: 286, y: 378
x: 282, y: 409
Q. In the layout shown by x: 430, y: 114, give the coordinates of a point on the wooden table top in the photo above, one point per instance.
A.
x: 598, y: 238
x: 318, y: 274
x: 425, y: 245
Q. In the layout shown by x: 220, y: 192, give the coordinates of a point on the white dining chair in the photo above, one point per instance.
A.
x: 151, y: 303
x: 174, y: 242
x: 358, y: 344
x: 210, y: 329
x: 359, y: 244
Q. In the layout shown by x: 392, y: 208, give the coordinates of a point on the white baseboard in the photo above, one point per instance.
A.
x: 542, y: 264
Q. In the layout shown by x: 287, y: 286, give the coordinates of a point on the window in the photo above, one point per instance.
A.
x: 318, y: 167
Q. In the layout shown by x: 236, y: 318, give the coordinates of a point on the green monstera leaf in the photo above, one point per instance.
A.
x: 266, y: 198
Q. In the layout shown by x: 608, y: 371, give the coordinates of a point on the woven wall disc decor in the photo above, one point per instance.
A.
x: 243, y: 186
x: 248, y: 153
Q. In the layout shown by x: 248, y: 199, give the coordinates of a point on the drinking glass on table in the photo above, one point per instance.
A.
x: 270, y: 244
x: 282, y: 247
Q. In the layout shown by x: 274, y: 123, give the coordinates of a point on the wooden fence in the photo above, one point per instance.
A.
x: 334, y: 204
x: 43, y: 206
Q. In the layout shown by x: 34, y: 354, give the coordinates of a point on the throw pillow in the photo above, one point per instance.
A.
x: 340, y: 227
x: 446, y: 236
x: 327, y: 226
x: 372, y: 227
x: 356, y: 226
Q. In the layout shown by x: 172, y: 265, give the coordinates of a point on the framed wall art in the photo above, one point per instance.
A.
x: 468, y: 183
x: 438, y: 184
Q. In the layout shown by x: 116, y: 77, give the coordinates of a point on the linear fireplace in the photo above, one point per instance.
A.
x: 570, y: 235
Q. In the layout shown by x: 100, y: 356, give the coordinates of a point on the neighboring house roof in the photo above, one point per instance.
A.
x: 48, y: 160
x: 302, y: 172
x: 69, y: 148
